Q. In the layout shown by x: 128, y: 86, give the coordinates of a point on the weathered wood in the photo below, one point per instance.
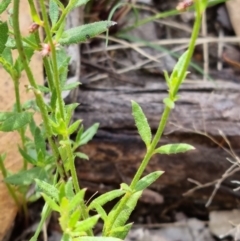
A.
x: 116, y: 151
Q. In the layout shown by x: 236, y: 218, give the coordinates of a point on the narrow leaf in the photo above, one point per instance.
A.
x: 125, y: 212
x: 14, y: 121
x: 100, y: 211
x: 121, y: 232
x: 80, y: 3
x: 141, y: 123
x: 106, y: 197
x: 8, y: 67
x: 84, y: 32
x: 75, y: 201
x: 96, y: 239
x: 72, y: 128
x: 3, y: 35
x: 88, y: 134
x: 174, y: 148
x: 3, y: 5
x: 27, y: 157
x: 52, y: 204
x: 70, y: 86
x: 26, y: 177
x: 81, y: 155
x: 53, y: 11
x: 86, y: 224
x: 69, y: 189
x: 148, y: 180
x: 48, y: 189
x: 169, y: 103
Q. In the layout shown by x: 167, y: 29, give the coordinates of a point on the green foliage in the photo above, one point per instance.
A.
x: 52, y: 168
x: 3, y: 35
x: 3, y: 5
x: 26, y: 177
x: 146, y: 181
x: 174, y: 148
x: 141, y: 123
x: 53, y: 11
x: 11, y: 121
x: 84, y: 33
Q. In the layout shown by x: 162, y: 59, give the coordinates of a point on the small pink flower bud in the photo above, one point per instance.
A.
x: 33, y: 28
x: 183, y: 6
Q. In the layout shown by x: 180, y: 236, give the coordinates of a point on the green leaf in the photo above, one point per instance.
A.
x: 86, y: 224
x: 69, y: 109
x: 169, y: 103
x: 14, y: 121
x: 125, y: 212
x: 88, y: 134
x: 80, y: 3
x: 106, y: 197
x: 141, y: 123
x: 70, y: 86
x: 96, y: 239
x: 84, y: 32
x: 100, y: 211
x: 121, y: 232
x: 8, y: 67
x: 26, y: 177
x: 48, y: 189
x: 3, y: 35
x: 27, y: 157
x: 66, y: 237
x: 174, y: 148
x: 81, y: 155
x: 39, y: 140
x: 52, y: 204
x: 125, y: 187
x: 53, y: 12
x: 72, y: 128
x: 3, y: 6
x: 7, y: 55
x: 61, y: 6
x: 69, y: 189
x: 76, y: 200
x: 19, y: 64
x: 148, y: 180
x: 74, y: 218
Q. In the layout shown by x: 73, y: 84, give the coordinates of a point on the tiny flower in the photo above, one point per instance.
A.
x: 33, y: 27
x: 183, y: 6
x: 45, y: 50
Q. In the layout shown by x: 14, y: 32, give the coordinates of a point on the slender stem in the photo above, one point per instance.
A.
x: 196, y: 29
x: 54, y: 58
x: 152, y: 147
x: 38, y: 95
x: 75, y: 179
x: 10, y: 189
x: 161, y: 125
x: 19, y: 110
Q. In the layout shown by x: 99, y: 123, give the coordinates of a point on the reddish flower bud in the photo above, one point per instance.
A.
x: 183, y: 6
x: 33, y: 27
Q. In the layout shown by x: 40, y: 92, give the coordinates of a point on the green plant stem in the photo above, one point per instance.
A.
x: 161, y: 125
x: 38, y: 95
x: 10, y: 189
x: 54, y: 58
x: 164, y: 15
x: 152, y: 147
x: 75, y: 179
x: 19, y: 110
